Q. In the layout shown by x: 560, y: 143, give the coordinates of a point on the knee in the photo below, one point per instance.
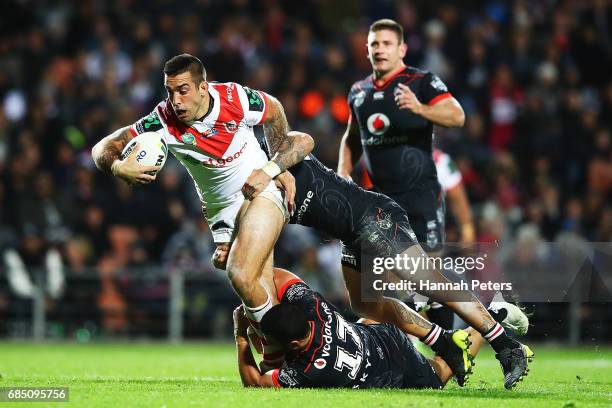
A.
x: 240, y: 279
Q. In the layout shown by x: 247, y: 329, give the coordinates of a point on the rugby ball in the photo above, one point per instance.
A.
x: 152, y: 150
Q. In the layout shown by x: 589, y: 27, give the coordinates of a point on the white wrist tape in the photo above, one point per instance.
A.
x: 271, y: 169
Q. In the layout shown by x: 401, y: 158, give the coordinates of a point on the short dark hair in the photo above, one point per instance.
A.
x: 388, y: 24
x: 285, y: 322
x: 186, y: 62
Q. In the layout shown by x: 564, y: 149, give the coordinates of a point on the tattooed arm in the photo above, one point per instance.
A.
x: 107, y: 156
x: 286, y: 149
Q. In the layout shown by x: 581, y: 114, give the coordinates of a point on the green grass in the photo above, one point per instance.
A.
x: 204, y: 375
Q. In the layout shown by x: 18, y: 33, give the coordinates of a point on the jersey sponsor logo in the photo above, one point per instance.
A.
x: 320, y: 363
x: 188, y: 138
x: 377, y: 141
x: 149, y: 123
x: 437, y: 83
x: 224, y: 162
x: 327, y: 330
x: 304, y: 207
x: 359, y: 98
x: 378, y: 123
x: 228, y: 93
x: 255, y: 101
x: 231, y: 126
x: 377, y: 96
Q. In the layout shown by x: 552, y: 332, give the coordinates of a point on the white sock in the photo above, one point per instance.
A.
x: 255, y: 314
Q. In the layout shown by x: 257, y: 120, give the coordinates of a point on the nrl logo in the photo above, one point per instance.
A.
x: 188, y: 138
x: 231, y: 126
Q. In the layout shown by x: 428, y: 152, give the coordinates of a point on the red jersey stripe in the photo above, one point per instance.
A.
x: 439, y: 98
x: 283, y: 289
x: 275, y: 378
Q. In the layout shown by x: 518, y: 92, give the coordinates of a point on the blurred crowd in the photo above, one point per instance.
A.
x: 532, y: 76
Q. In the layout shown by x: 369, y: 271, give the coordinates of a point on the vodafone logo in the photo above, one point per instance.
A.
x: 320, y: 363
x: 378, y: 123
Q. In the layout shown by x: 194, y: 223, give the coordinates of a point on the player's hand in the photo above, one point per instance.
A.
x: 406, y: 99
x: 241, y: 323
x: 219, y: 257
x: 286, y: 181
x: 255, y: 184
x: 130, y: 171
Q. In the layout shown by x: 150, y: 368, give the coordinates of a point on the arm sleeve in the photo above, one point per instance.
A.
x: 150, y: 123
x: 432, y: 90
x: 254, y: 105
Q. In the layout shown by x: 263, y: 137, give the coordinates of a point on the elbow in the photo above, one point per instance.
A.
x: 303, y: 139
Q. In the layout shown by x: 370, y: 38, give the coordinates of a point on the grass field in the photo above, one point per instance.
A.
x: 203, y: 375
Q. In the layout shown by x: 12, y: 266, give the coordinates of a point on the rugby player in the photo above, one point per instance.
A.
x: 209, y: 129
x: 323, y: 350
x: 393, y: 112
x: 454, y: 194
x: 372, y: 225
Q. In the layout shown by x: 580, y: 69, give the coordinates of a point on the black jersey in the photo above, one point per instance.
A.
x: 349, y: 355
x: 397, y: 144
x: 367, y: 222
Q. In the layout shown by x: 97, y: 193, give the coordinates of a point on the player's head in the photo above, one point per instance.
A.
x: 185, y: 82
x: 287, y: 325
x: 386, y: 47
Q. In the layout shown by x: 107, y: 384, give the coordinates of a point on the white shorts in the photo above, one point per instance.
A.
x: 222, y: 219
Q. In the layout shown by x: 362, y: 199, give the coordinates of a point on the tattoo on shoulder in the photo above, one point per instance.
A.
x: 284, y: 150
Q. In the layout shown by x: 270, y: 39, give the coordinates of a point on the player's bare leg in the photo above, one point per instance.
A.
x: 451, y: 346
x: 464, y: 303
x: 257, y: 232
x: 384, y: 309
x: 512, y: 355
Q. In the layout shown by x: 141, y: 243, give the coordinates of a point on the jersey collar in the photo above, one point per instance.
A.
x: 378, y: 84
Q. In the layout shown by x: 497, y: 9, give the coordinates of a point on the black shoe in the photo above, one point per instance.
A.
x: 454, y: 349
x: 514, y: 363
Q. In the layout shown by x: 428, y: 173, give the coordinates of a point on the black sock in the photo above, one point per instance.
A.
x: 498, y: 338
x: 431, y: 339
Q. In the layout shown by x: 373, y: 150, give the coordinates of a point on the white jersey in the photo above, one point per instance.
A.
x: 220, y: 151
x: 448, y: 175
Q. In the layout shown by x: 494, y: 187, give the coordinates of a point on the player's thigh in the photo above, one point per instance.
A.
x: 267, y: 277
x: 258, y: 228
